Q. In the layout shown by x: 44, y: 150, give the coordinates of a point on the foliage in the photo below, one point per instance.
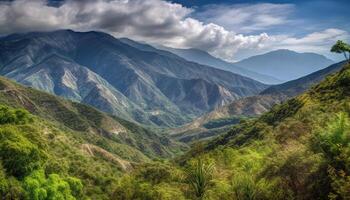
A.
x: 13, y: 116
x: 19, y: 156
x: 199, y: 178
x: 336, y: 137
x: 141, y: 185
x: 222, y: 122
x: 341, y: 47
x: 40, y: 187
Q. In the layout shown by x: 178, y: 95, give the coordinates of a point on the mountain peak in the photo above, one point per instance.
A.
x: 285, y: 64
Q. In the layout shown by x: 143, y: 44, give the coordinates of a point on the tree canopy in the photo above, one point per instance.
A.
x: 342, y: 47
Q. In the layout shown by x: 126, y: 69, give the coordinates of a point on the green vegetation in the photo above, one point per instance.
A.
x: 298, y: 150
x: 223, y: 122
x: 23, y: 163
x: 51, y: 148
x: 200, y: 177
x: 342, y: 47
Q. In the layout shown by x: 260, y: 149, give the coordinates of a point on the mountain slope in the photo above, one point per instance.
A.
x: 298, y: 86
x: 298, y: 150
x: 205, y: 58
x: 251, y: 106
x: 80, y: 117
x: 71, y: 140
x: 285, y: 64
x: 122, y: 80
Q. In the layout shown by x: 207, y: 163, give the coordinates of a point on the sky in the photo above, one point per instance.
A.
x: 228, y: 29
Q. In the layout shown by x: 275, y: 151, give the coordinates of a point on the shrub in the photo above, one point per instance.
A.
x: 336, y: 137
x: 13, y: 116
x: 19, y: 155
x: 40, y: 187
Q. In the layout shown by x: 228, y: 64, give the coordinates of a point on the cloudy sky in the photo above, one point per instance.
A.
x: 229, y: 29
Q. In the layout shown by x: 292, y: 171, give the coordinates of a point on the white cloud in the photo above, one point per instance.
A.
x: 319, y: 42
x: 166, y: 23
x: 154, y: 21
x: 247, y: 17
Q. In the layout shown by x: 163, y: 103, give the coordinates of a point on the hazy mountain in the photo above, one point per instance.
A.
x: 295, y: 87
x: 251, y: 106
x: 203, y: 57
x: 151, y: 87
x: 285, y: 64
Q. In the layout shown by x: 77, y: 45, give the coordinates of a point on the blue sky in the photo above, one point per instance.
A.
x: 310, y: 15
x: 300, y: 17
x: 229, y: 29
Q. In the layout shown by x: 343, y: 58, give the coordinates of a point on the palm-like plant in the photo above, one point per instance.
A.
x: 199, y: 178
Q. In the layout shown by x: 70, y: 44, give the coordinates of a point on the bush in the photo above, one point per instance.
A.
x: 334, y: 142
x: 13, y: 116
x: 40, y: 187
x: 154, y: 173
x: 19, y: 156
x: 336, y: 137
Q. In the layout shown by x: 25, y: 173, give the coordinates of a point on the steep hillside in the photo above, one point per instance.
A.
x: 100, y: 70
x: 284, y: 64
x: 249, y: 106
x: 205, y: 58
x: 69, y: 139
x: 298, y: 150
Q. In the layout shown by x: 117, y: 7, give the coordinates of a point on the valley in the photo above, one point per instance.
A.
x: 174, y: 100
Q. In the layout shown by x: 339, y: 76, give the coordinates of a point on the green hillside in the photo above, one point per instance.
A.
x: 298, y: 150
x: 64, y: 150
x: 51, y: 148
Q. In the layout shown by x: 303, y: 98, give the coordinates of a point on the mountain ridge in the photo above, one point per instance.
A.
x: 276, y: 63
x: 136, y: 75
x: 251, y: 106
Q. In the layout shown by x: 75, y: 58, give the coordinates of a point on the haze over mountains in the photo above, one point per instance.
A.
x: 149, y: 87
x: 205, y: 58
x: 271, y: 68
x: 285, y: 64
x: 251, y: 106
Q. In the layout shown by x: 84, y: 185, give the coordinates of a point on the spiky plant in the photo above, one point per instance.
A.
x: 199, y: 177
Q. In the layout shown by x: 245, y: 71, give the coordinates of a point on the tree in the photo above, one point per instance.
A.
x: 342, y: 47
x: 18, y: 155
x: 52, y: 187
x: 200, y: 177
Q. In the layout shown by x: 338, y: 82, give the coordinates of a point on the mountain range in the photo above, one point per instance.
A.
x: 148, y: 87
x: 90, y: 115
x: 250, y: 106
x: 273, y: 67
x: 205, y: 58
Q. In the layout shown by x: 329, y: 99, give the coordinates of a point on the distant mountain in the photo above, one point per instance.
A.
x: 285, y: 64
x: 150, y: 87
x: 298, y: 86
x: 251, y: 106
x: 203, y: 57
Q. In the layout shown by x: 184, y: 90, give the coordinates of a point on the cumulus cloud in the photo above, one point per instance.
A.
x: 163, y: 22
x: 154, y: 21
